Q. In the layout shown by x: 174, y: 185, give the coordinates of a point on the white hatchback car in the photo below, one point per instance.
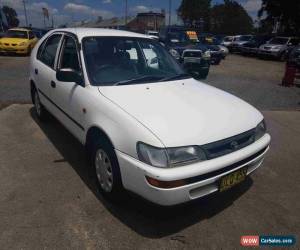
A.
x: 147, y: 126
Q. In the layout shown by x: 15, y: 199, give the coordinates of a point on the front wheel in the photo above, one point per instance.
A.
x: 107, y: 171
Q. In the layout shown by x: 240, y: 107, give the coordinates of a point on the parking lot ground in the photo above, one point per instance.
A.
x: 48, y: 198
x: 255, y: 81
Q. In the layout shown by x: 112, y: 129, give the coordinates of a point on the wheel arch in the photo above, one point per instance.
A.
x: 95, y: 131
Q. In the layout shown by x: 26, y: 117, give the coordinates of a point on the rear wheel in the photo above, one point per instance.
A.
x: 40, y: 111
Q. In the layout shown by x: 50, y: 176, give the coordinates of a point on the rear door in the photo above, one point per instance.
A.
x: 44, y: 69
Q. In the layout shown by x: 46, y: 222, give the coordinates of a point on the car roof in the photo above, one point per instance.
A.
x: 87, y: 32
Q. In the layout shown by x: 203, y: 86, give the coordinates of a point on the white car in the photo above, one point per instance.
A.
x: 148, y: 128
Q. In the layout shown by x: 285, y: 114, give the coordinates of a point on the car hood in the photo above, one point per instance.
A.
x: 273, y: 45
x: 181, y: 48
x: 12, y: 40
x: 185, y: 112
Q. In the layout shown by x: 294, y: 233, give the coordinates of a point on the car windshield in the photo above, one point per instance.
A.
x: 124, y: 60
x: 279, y: 40
x: 16, y: 34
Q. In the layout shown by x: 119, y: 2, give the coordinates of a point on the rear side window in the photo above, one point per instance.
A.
x: 48, y: 53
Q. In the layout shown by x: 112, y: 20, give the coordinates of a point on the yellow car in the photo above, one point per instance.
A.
x: 18, y: 40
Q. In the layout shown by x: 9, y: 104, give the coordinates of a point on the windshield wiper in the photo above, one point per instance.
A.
x: 139, y: 79
x: 177, y: 77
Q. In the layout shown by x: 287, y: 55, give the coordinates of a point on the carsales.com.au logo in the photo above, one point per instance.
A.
x: 272, y: 240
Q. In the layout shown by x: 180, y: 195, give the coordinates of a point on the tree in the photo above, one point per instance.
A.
x: 11, y: 16
x: 230, y: 18
x: 286, y: 12
x: 195, y: 13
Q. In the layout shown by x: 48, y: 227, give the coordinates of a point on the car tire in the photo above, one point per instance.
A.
x: 106, y: 169
x: 40, y: 110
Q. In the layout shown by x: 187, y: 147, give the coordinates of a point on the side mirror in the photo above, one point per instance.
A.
x: 69, y: 75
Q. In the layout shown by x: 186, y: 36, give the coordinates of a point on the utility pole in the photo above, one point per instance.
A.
x: 25, y: 12
x: 170, y: 11
x: 126, y: 10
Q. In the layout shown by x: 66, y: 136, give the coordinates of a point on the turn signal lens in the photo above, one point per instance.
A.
x: 165, y: 184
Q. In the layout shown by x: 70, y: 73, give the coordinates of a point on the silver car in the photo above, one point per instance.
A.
x: 278, y: 47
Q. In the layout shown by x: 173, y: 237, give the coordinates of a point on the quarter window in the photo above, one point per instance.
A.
x: 48, y: 54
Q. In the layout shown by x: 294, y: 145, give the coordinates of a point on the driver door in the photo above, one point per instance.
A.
x: 66, y: 95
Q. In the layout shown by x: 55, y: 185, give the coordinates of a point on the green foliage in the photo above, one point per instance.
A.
x: 192, y: 12
x: 11, y: 16
x: 285, y: 11
x: 230, y: 18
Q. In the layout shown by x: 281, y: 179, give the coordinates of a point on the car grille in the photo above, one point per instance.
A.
x: 229, y: 145
x: 225, y: 169
x: 192, y: 54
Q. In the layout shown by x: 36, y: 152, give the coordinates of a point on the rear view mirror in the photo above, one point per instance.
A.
x: 69, y: 75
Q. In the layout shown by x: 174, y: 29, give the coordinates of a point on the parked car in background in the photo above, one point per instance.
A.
x: 218, y: 52
x: 251, y: 47
x: 18, y: 41
x: 238, y: 42
x: 278, y: 47
x: 156, y: 132
x: 227, y: 40
x: 184, y: 46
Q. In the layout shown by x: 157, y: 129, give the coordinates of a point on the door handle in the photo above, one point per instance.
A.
x: 36, y: 71
x: 53, y: 84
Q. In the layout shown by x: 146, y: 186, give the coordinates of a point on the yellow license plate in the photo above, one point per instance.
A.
x: 232, y: 179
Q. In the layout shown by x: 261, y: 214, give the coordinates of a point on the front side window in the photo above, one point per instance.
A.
x: 121, y: 60
x: 69, y: 57
x: 47, y: 55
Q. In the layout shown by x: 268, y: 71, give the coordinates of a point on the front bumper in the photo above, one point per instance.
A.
x: 269, y: 52
x: 203, y: 176
x: 14, y: 49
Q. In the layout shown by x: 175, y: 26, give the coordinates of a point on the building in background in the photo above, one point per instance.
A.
x: 141, y: 23
x: 147, y: 21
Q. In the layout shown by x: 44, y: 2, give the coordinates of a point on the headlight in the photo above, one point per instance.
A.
x: 175, y: 54
x: 22, y: 43
x: 260, y: 130
x: 276, y: 48
x: 168, y: 157
x: 206, y: 54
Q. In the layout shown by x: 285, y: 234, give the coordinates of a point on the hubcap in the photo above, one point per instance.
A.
x: 37, y: 104
x: 104, y: 170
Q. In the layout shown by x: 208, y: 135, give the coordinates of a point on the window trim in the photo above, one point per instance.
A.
x: 56, y: 55
x: 60, y: 55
